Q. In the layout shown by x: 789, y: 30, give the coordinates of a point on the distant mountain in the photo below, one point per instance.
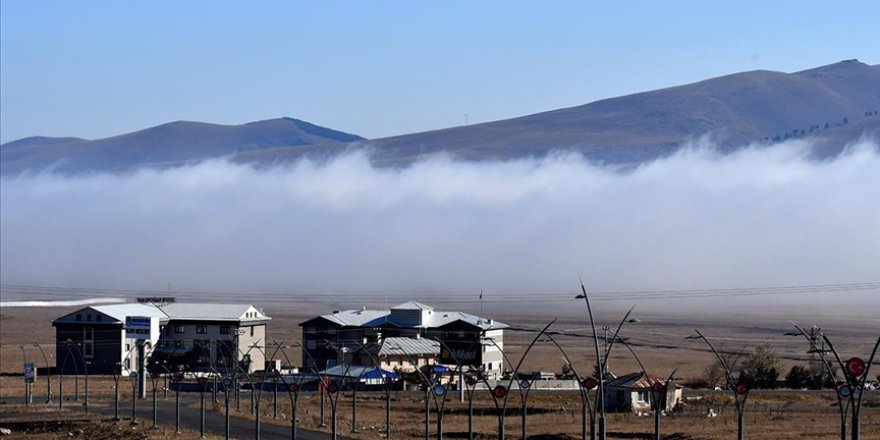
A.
x: 840, y: 101
x: 832, y: 105
x: 167, y: 144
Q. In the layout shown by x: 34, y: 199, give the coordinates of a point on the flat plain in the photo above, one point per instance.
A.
x: 658, y: 338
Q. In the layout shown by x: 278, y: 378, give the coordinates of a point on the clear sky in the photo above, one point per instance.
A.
x: 98, y: 68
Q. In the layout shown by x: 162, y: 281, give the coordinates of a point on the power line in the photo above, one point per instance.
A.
x: 458, y: 297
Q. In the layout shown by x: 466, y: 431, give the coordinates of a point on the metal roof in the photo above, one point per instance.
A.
x: 408, y: 346
x: 358, y: 318
x: 211, y: 311
x: 183, y: 311
x: 412, y: 305
x: 377, y: 318
x: 439, y: 319
x: 634, y: 381
x: 120, y: 311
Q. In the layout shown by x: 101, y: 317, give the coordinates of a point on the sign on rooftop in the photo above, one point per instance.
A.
x: 141, y: 327
x: 156, y: 300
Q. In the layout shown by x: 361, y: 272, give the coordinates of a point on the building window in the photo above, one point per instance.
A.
x: 79, y: 317
x: 311, y: 345
x: 643, y: 396
x: 99, y: 317
x: 201, y: 329
x: 88, y: 344
x: 179, y: 329
x: 224, y: 329
x: 89, y: 317
x: 252, y: 330
x: 310, y: 330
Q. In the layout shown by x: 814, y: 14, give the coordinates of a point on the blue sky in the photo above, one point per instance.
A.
x: 98, y: 68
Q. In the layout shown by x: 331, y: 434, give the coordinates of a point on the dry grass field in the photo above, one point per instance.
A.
x: 659, y: 339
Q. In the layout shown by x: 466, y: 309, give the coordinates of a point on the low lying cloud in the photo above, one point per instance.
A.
x: 757, y: 217
x: 71, y: 303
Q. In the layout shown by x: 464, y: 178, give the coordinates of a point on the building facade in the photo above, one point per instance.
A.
x: 190, y: 337
x: 461, y: 338
x: 633, y: 393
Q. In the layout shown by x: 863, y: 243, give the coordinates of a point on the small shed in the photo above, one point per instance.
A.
x: 632, y: 392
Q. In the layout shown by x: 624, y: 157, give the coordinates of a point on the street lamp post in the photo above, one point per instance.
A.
x: 48, y: 373
x: 842, y: 406
x: 602, y: 361
x: 855, y: 371
x: 600, y: 397
x: 500, y: 392
x: 27, y: 385
x: 583, y: 388
x: 740, y: 389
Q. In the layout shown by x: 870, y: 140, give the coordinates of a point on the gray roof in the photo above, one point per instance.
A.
x: 376, y: 318
x: 408, y: 346
x: 120, y: 311
x: 183, y: 311
x: 210, y: 311
x: 439, y: 319
x: 412, y: 305
x: 635, y: 381
x: 356, y: 318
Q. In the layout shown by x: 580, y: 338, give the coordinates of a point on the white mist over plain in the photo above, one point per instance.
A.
x: 696, y: 220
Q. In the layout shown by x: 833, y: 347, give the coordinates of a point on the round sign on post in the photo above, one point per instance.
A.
x: 439, y: 390
x: 294, y: 387
x: 844, y: 391
x: 658, y: 387
x: 742, y: 389
x: 499, y: 391
x: 855, y: 367
x: 470, y: 380
x: 332, y: 388
x: 389, y: 381
x: 524, y: 384
x: 589, y: 383
x: 227, y: 382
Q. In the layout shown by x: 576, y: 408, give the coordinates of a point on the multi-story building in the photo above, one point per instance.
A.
x: 461, y: 338
x: 93, y: 339
x: 189, y: 336
x: 203, y: 337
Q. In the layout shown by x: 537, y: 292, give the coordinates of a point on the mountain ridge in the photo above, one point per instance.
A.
x: 833, y: 104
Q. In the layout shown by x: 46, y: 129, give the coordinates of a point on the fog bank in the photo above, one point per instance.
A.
x: 696, y: 220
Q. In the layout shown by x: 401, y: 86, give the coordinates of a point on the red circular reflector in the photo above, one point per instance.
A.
x: 294, y: 387
x: 154, y: 375
x: 658, y: 387
x: 499, y: 391
x: 855, y: 367
x: 203, y: 380
x: 742, y: 388
x: 332, y: 388
x: 589, y: 383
